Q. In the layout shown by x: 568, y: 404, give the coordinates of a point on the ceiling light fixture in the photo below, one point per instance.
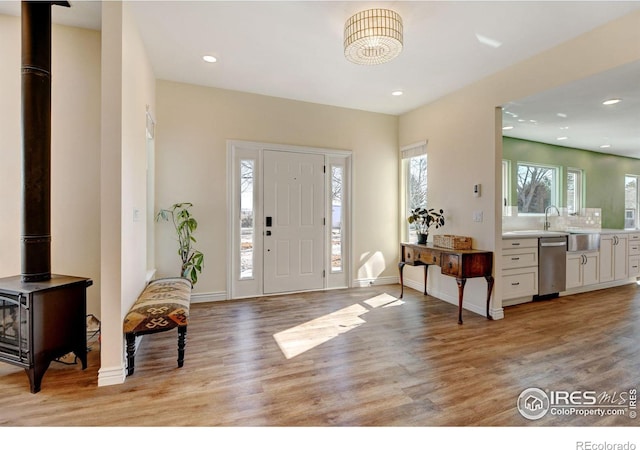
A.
x: 507, y: 127
x: 209, y: 58
x: 605, y: 146
x: 612, y: 101
x: 488, y: 41
x: 397, y: 93
x: 373, y: 36
x: 562, y: 138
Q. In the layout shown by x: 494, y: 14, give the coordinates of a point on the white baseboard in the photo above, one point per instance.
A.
x: 496, y: 313
x: 366, y: 282
x: 598, y: 286
x: 205, y: 297
x: 111, y: 376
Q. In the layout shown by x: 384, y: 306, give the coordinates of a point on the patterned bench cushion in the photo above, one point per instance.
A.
x: 163, y: 305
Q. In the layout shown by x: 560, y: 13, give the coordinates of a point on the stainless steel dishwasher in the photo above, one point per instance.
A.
x: 552, y: 266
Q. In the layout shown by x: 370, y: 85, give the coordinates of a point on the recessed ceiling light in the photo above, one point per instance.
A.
x: 612, y: 101
x: 488, y: 41
x: 605, y: 146
x: 209, y: 58
x: 562, y: 138
x: 508, y: 127
x: 397, y: 93
x: 563, y: 115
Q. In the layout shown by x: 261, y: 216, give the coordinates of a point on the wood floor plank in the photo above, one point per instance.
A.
x: 383, y: 363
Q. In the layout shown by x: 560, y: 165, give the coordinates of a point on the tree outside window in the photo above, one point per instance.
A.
x: 536, y: 188
x: 416, y: 186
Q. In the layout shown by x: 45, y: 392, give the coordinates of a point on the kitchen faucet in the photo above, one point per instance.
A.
x: 546, y: 215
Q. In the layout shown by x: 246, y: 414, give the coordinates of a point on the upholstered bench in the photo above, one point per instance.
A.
x: 163, y: 305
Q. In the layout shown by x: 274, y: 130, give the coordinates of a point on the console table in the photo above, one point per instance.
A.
x: 461, y: 264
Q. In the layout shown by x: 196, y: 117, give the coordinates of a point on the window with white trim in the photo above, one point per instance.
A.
x: 537, y: 187
x: 574, y: 190
x: 414, y: 174
x: 246, y: 230
x: 506, y: 185
x: 337, y: 211
x: 631, y: 198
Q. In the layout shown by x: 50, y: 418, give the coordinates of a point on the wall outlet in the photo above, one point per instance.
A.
x: 477, y: 216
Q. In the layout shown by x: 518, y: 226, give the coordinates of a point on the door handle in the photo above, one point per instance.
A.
x: 268, y: 233
x: 268, y: 221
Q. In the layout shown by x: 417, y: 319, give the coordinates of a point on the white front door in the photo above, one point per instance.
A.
x: 293, y: 209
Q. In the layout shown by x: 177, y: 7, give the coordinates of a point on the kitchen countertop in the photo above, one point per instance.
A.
x: 519, y: 234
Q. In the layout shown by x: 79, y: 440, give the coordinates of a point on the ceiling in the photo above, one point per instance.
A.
x: 293, y: 49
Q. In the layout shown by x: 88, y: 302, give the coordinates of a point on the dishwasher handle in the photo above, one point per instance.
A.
x: 553, y: 244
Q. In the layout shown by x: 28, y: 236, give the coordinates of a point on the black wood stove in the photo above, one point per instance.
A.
x: 42, y: 316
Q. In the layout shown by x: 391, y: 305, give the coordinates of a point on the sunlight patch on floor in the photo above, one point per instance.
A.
x: 383, y: 300
x: 303, y: 337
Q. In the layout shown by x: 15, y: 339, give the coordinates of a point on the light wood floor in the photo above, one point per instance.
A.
x: 405, y: 365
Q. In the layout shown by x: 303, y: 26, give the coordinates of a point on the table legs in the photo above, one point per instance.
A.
x: 489, y: 279
x: 460, y: 281
x: 401, y: 269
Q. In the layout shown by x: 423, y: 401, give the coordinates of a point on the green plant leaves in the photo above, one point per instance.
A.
x: 425, y: 218
x: 185, y: 225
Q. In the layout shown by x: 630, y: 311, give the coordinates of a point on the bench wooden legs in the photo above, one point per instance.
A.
x: 131, y: 351
x: 182, y: 340
x: 131, y: 348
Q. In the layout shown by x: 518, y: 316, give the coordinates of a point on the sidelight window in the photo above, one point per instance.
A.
x: 337, y: 176
x: 247, y: 218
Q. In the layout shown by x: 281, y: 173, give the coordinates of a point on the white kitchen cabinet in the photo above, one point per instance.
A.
x: 634, y: 254
x: 614, y: 259
x: 519, y: 270
x: 583, y: 269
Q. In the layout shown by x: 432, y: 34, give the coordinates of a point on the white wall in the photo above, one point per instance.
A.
x: 75, y: 150
x: 193, y: 125
x: 128, y: 86
x: 464, y: 132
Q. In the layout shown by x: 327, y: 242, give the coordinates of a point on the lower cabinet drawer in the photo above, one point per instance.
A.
x: 524, y: 257
x: 634, y: 266
x: 519, y: 283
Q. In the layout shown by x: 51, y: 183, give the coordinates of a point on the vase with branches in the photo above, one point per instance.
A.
x: 423, y: 219
x: 185, y: 225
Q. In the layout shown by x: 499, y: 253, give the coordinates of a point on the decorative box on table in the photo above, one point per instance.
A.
x: 452, y: 241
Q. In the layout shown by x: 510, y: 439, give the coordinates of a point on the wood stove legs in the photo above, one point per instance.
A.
x: 39, y: 367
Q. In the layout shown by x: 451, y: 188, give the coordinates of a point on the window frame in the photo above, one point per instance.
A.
x: 506, y: 187
x: 417, y: 150
x: 637, y: 201
x: 555, y: 188
x: 578, y: 190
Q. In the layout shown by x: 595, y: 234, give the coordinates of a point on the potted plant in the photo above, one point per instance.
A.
x: 185, y: 225
x: 423, y: 219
